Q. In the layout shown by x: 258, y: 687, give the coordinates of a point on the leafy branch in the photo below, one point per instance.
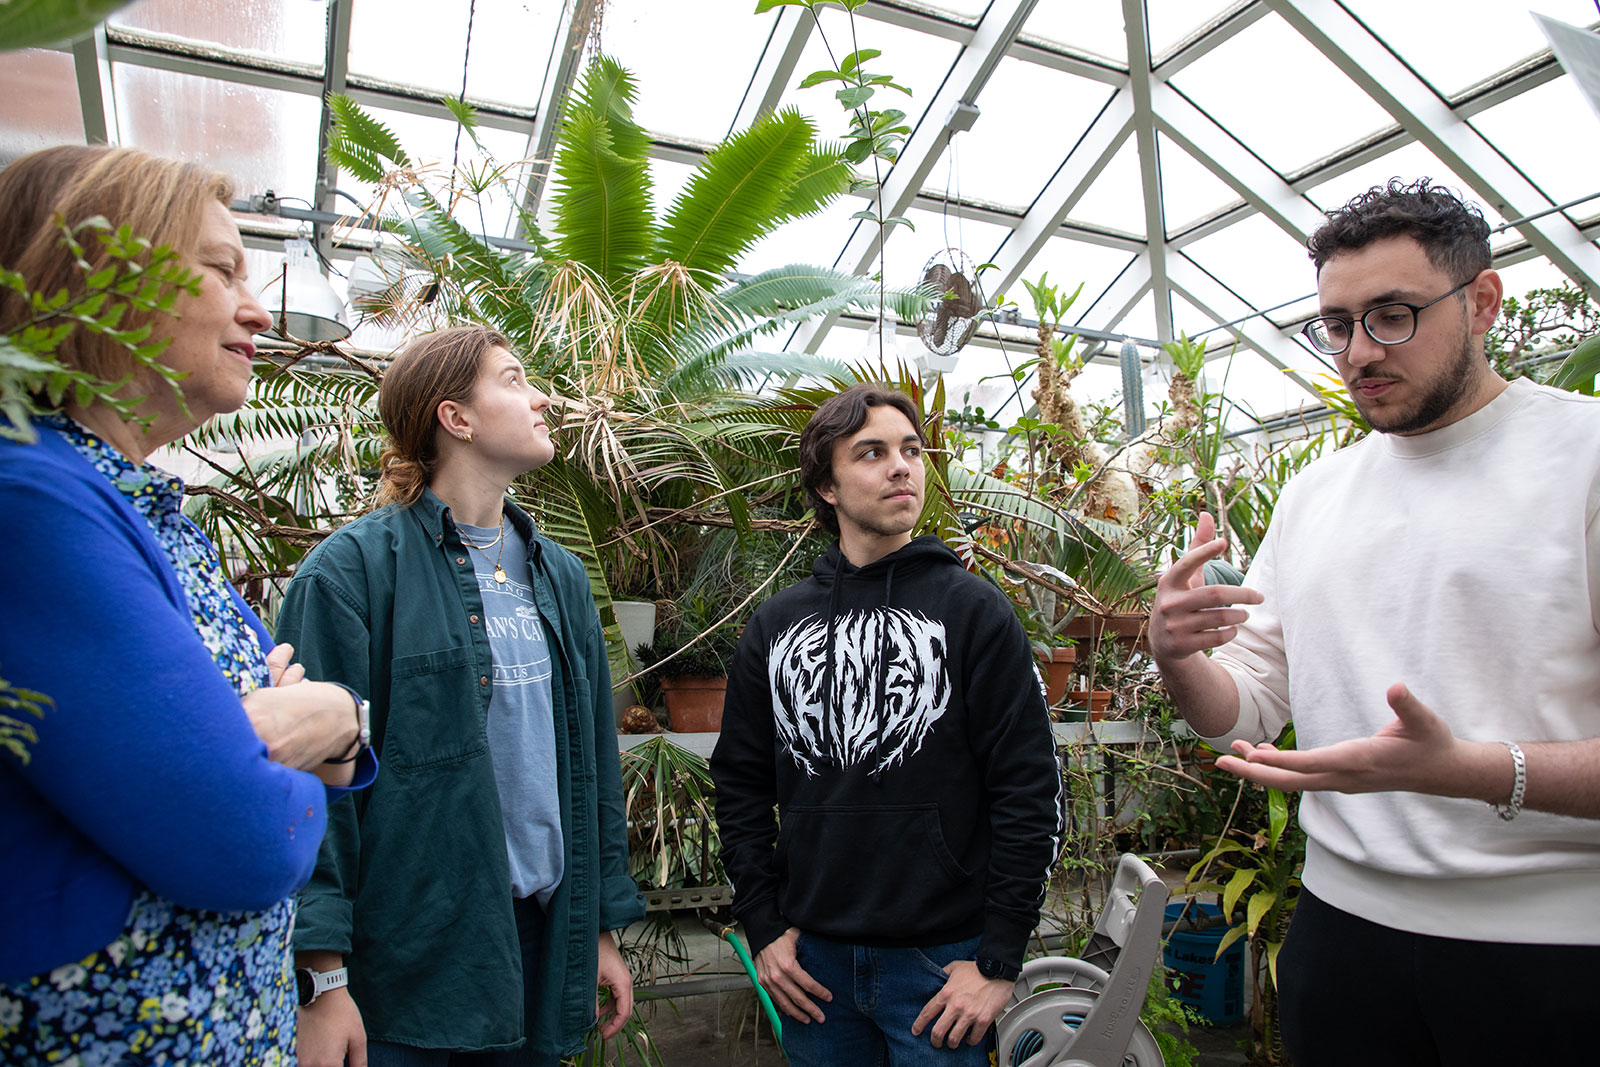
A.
x: 139, y: 279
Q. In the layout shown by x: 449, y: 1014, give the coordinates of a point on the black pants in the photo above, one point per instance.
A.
x: 1356, y: 994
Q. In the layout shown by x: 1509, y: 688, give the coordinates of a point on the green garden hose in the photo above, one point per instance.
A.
x: 727, y: 934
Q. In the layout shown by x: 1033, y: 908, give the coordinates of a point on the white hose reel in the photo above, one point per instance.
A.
x: 1072, y: 1012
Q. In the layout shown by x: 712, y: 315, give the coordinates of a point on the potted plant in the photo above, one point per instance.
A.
x: 694, y: 653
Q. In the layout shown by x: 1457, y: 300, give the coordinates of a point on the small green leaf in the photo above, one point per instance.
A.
x: 1261, y: 902
x: 898, y: 220
x: 858, y: 57
x: 820, y: 76
x: 855, y: 95
x: 1240, y: 881
x: 465, y: 114
x: 866, y: 213
x: 763, y: 6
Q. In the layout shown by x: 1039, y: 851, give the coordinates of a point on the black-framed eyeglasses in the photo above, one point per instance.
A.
x: 1387, y: 324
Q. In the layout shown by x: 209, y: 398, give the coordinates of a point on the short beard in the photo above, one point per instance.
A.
x: 1446, y: 391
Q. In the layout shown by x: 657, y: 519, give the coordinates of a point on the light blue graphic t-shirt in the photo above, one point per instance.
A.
x: 521, y: 719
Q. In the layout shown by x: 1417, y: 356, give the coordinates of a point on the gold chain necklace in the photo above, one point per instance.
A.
x: 500, y: 539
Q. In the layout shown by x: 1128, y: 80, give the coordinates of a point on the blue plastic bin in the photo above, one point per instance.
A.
x: 1213, y: 987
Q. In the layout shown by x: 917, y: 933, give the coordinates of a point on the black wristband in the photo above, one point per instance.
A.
x: 363, y: 729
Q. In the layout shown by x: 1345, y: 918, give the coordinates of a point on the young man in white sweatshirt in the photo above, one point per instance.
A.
x: 1426, y: 606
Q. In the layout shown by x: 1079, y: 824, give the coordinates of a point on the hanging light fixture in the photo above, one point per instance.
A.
x: 302, y: 302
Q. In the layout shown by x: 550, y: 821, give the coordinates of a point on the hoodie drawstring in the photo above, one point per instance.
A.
x: 882, y: 687
x: 827, y: 674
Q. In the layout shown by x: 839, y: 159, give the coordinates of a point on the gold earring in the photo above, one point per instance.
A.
x: 467, y: 437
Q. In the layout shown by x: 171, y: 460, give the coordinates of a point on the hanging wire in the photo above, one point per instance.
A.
x: 466, y: 60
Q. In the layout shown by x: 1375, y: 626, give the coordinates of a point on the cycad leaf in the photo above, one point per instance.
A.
x: 822, y: 177
x: 362, y: 134
x: 602, y: 193
x: 732, y: 197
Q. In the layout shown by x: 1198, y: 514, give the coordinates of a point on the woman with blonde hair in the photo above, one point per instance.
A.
x: 169, y: 805
x: 471, y: 892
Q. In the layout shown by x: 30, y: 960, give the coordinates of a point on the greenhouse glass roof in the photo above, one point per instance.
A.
x: 1170, y: 155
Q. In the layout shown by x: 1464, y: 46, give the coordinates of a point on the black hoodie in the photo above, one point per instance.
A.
x: 894, y: 715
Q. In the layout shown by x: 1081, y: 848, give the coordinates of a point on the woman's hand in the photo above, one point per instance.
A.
x: 614, y: 975
x: 304, y: 723
x: 331, y: 1031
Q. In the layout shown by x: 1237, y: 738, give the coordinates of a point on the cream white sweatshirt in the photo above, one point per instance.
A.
x: 1466, y: 563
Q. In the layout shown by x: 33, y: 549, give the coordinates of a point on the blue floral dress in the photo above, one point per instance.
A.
x: 180, y: 986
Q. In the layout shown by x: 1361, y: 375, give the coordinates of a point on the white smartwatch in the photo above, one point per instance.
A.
x: 312, y: 984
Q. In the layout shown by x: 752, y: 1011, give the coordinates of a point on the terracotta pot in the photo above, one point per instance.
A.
x: 1057, y: 671
x: 1098, y: 701
x: 694, y: 705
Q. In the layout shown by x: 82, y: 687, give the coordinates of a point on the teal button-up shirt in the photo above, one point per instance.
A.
x: 412, y: 884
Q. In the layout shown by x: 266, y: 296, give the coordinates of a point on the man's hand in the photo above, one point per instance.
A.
x: 786, y: 982
x: 965, y: 1007
x: 330, y: 1029
x: 1415, y: 753
x: 1189, y: 616
x: 614, y: 975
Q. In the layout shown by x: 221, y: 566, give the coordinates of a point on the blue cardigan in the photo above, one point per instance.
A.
x: 146, y: 771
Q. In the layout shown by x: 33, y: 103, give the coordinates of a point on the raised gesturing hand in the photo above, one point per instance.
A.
x: 1189, y: 616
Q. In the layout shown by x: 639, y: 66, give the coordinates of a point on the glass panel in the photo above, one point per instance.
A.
x: 915, y: 60
x: 1407, y: 163
x: 1071, y: 263
x: 1255, y: 387
x: 1170, y: 21
x: 431, y: 144
x: 288, y: 29
x: 1093, y: 28
x: 1236, y: 83
x: 38, y: 103
x: 1257, y: 260
x: 1030, y: 118
x: 1539, y: 273
x: 264, y: 138
x: 1477, y: 39
x: 420, y: 42
x: 511, y: 44
x: 667, y: 180
x: 1189, y: 191
x: 815, y: 240
x: 690, y: 82
x: 1529, y: 130
x: 1114, y: 200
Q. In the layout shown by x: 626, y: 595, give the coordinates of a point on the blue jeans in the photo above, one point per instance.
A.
x: 530, y: 932
x: 877, y: 995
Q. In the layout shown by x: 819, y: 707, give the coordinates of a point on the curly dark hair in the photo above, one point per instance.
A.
x: 838, y: 418
x: 1451, y: 231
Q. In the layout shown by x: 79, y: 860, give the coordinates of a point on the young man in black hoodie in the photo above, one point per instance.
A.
x: 888, y: 706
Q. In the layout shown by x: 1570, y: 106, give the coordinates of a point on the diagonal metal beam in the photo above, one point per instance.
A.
x: 560, y: 70
x: 1215, y: 300
x: 1430, y: 119
x: 1223, y: 27
x: 91, y: 61
x: 775, y: 69
x: 1141, y: 82
x: 335, y: 76
x: 1066, y: 187
x: 1260, y: 186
